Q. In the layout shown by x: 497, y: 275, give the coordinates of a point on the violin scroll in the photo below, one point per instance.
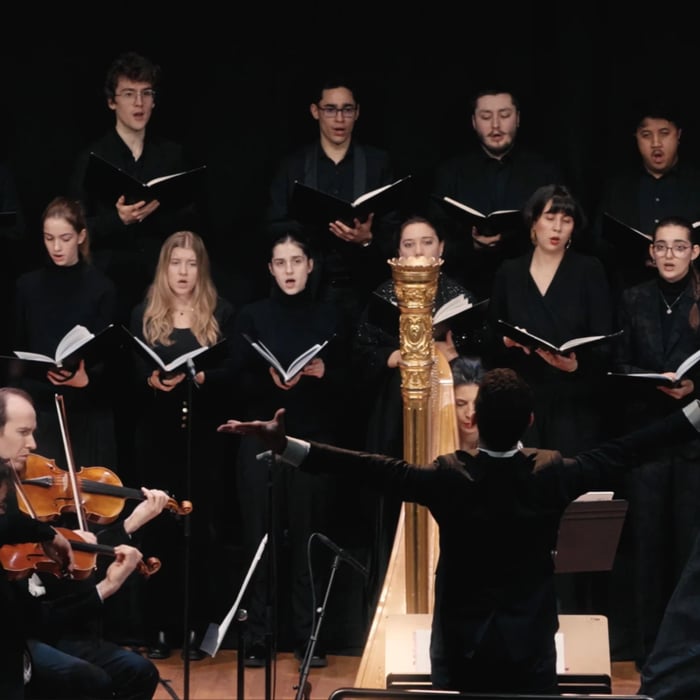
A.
x: 183, y: 508
x: 149, y: 567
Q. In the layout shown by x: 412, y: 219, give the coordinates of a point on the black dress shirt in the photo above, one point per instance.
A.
x: 488, y: 184
x: 640, y: 200
x: 339, y: 264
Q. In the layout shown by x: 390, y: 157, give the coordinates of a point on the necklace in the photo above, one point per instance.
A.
x: 669, y: 307
x: 182, y: 312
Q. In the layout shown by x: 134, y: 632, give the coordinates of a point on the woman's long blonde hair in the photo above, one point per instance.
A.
x: 158, y: 315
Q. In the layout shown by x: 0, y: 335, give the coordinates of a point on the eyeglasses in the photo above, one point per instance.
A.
x: 677, y: 249
x: 331, y: 111
x: 131, y: 95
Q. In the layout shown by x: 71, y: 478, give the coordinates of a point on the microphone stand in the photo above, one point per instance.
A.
x: 241, y: 619
x: 187, y: 533
x: 304, y: 687
x: 270, y: 583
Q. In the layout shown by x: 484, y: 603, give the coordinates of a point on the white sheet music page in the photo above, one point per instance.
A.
x: 559, y: 645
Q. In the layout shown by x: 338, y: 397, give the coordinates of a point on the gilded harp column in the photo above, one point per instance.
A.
x: 415, y: 280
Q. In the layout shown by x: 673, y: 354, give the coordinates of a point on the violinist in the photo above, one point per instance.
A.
x: 62, y: 617
x: 14, y: 528
x: 17, y: 527
x: 69, y: 657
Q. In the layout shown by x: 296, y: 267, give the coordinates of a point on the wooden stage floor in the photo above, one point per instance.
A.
x: 217, y: 678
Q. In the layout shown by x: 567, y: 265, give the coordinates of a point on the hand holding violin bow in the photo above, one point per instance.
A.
x: 59, y: 550
x: 102, y: 495
x: 21, y: 560
x: 94, y: 494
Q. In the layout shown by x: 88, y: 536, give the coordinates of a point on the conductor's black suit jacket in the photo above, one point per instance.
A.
x: 498, y: 519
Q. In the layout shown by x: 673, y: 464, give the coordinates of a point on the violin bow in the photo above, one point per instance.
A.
x: 19, y: 489
x: 77, y: 496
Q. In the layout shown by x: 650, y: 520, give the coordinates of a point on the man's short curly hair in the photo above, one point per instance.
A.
x: 502, y: 409
x: 134, y: 67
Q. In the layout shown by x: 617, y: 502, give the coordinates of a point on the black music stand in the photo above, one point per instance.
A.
x: 589, y: 532
x: 215, y: 633
x: 270, y: 644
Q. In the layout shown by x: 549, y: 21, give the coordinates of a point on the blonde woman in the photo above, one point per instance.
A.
x: 175, y: 445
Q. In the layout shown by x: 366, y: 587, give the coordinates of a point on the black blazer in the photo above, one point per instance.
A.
x: 498, y: 521
x: 641, y: 348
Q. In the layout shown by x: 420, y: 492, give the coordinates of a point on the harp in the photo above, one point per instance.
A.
x: 430, y: 428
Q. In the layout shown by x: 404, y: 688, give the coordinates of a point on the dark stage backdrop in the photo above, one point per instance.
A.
x: 235, y: 93
x: 235, y: 89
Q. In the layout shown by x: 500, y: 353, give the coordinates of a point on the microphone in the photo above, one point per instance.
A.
x: 192, y: 371
x: 342, y: 554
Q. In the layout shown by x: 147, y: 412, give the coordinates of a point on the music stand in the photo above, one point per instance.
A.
x: 270, y: 643
x: 187, y: 543
x: 589, y: 533
x: 215, y: 633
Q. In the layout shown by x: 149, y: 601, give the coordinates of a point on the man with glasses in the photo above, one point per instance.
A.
x: 499, y: 173
x: 659, y: 184
x: 126, y: 236
x: 350, y: 256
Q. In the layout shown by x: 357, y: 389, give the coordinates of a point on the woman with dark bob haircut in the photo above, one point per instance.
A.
x: 558, y: 294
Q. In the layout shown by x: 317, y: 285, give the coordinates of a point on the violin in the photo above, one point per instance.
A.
x: 103, y: 496
x: 22, y: 560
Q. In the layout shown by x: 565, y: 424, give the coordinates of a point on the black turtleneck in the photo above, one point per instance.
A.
x: 53, y: 299
x: 49, y: 301
x: 670, y: 296
x: 288, y: 325
x: 671, y: 290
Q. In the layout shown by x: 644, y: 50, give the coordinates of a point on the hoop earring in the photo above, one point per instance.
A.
x: 568, y: 244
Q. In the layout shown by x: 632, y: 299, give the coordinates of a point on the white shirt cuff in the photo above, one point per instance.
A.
x: 295, y: 452
x: 692, y: 413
